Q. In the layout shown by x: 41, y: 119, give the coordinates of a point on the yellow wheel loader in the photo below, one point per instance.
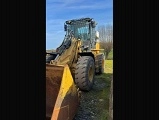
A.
x: 71, y: 68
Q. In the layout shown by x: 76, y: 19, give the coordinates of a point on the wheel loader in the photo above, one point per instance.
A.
x: 71, y: 68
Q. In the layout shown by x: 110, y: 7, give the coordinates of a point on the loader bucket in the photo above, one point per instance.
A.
x: 61, y: 93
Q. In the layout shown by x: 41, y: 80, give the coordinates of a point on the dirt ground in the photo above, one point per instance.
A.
x: 94, y: 105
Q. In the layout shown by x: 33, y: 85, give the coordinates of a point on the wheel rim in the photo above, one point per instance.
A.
x: 90, y: 73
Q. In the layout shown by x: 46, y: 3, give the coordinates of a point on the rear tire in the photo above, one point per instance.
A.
x: 84, y: 73
x: 101, y: 64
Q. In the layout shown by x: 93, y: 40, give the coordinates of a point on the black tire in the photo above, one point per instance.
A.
x: 84, y: 74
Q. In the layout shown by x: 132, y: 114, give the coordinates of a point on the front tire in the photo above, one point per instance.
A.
x: 84, y: 74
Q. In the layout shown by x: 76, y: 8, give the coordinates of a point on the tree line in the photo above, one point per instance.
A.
x: 106, y: 38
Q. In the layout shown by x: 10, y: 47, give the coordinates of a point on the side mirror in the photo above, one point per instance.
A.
x: 65, y: 27
x: 93, y: 24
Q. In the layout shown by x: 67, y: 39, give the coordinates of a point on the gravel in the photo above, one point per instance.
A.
x: 88, y: 108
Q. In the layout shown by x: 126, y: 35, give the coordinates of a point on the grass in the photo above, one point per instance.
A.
x: 108, y: 66
x: 104, y: 114
x: 104, y: 94
x: 110, y: 56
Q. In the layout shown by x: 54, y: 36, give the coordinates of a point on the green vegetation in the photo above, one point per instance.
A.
x: 108, y: 66
x: 105, y: 92
x: 110, y: 55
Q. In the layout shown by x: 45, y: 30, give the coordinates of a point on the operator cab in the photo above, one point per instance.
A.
x: 83, y: 29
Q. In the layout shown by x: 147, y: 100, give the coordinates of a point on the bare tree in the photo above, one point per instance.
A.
x: 106, y: 38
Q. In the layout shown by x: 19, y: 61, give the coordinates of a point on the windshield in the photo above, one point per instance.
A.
x: 80, y: 31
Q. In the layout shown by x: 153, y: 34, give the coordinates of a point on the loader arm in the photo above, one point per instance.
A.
x: 61, y: 91
x: 67, y: 54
